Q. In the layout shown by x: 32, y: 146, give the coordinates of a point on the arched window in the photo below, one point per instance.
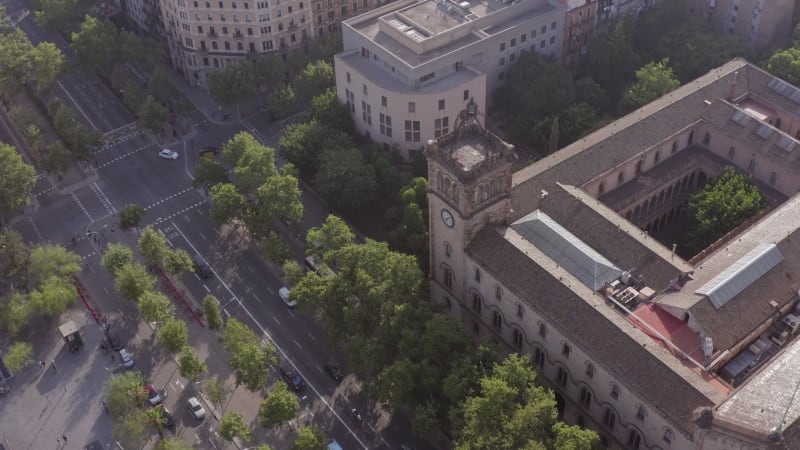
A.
x: 586, y: 397
x: 641, y: 412
x: 565, y: 350
x: 614, y: 390
x: 562, y: 376
x: 542, y: 329
x: 497, y: 320
x: 538, y: 356
x: 609, y: 418
x: 601, y: 189
x: 498, y: 292
x: 448, y: 278
x: 778, y: 123
x: 477, y: 275
x: 706, y: 139
x: 519, y: 338
x: 477, y: 303
x: 668, y: 435
x: 621, y: 177
x: 639, y: 167
x: 731, y: 153
x: 520, y: 310
x: 634, y: 439
x: 589, y: 370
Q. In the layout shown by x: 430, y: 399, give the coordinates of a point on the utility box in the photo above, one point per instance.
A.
x: 72, y: 337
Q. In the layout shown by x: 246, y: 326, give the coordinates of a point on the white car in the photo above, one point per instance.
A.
x: 168, y: 154
x: 127, y: 359
x: 284, y: 294
x: 196, y: 408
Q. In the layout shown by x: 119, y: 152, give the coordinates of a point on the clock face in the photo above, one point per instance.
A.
x: 447, y: 218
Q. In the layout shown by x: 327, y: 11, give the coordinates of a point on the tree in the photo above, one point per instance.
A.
x: 47, y: 61
x: 124, y: 392
x: 278, y: 197
x: 786, y: 64
x: 54, y: 296
x: 653, y: 80
x: 316, y: 78
x: 57, y: 158
x: 145, y: 51
x: 14, y: 259
x: 309, y: 437
x: 177, y: 261
x: 303, y: 143
x: 254, y: 167
x: 130, y: 216
x: 14, y: 313
x: 15, y: 60
x: 292, y: 272
x: 237, y: 334
x: 575, y: 122
x: 345, y: 179
x: 216, y: 391
x: 55, y: 14
x: 190, y: 366
x: 160, y: 84
x: 279, y: 407
x: 18, y: 356
x: 726, y: 202
x: 17, y: 178
x: 325, y: 241
x: 209, y: 172
x: 226, y: 203
x: 326, y: 108
x: 411, y: 233
x: 133, y: 280
x: 512, y: 412
x: 612, y: 60
x: 232, y: 84
x: 115, y: 257
x: 251, y: 363
x: 153, y: 246
x: 133, y: 428
x: 211, y: 312
x: 173, y: 335
x: 155, y: 307
x: 173, y: 443
x: 153, y: 115
x: 232, y: 425
x: 96, y: 44
x: 53, y: 260
x: 284, y: 101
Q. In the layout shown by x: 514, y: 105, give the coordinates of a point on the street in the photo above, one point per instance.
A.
x: 81, y: 214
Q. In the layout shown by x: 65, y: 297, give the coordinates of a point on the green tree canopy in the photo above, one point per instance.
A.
x: 155, y: 307
x: 232, y: 425
x: 173, y: 443
x: 233, y: 84
x: 316, y: 78
x: 279, y: 407
x: 153, y: 115
x: 303, y: 143
x: 173, y: 335
x: 47, y: 61
x: 726, y: 202
x: 237, y: 334
x: 190, y: 365
x: 96, y: 44
x: 14, y: 313
x: 17, y: 178
x: 226, y: 203
x: 153, y: 245
x: 212, y: 313
x: 324, y: 241
x: 216, y: 391
x: 18, y: 356
x: 130, y: 216
x: 251, y: 363
x: 177, y: 261
x: 612, y: 59
x: 326, y: 108
x: 209, y: 172
x: 54, y: 296
x: 345, y: 178
x: 411, y: 232
x: 309, y: 437
x: 785, y: 64
x: 56, y: 14
x: 653, y: 80
x: 14, y: 259
x: 133, y: 280
x: 255, y: 165
x: 15, y: 60
x: 115, y: 257
x: 53, y: 260
x: 124, y: 392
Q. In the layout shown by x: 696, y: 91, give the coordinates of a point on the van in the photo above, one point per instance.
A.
x: 321, y: 268
x: 201, y: 268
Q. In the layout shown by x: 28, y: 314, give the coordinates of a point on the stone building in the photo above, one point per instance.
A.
x: 572, y: 261
x: 761, y: 23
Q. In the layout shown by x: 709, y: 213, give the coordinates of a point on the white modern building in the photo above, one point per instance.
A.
x: 408, y: 68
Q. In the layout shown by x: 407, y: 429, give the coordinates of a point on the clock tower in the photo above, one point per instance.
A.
x: 469, y: 187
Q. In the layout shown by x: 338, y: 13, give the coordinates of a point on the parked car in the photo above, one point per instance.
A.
x: 127, y: 359
x: 168, y: 154
x: 114, y: 340
x: 293, y: 379
x: 196, y: 408
x: 284, y: 295
x: 152, y: 395
x: 201, y: 268
x: 166, y: 418
x: 334, y: 371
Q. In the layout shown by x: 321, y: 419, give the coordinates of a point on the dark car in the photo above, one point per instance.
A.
x: 201, y: 268
x: 334, y: 371
x: 114, y: 340
x: 208, y: 151
x: 166, y: 418
x: 293, y: 379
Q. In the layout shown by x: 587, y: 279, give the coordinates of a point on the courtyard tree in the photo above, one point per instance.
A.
x: 14, y: 259
x: 115, y: 257
x: 309, y: 437
x: 17, y: 178
x: 173, y: 335
x: 133, y: 280
x: 411, y: 232
x: 612, y: 59
x: 324, y: 241
x: 217, y: 392
x: 345, y: 178
x: 155, y: 307
x: 279, y: 407
x: 177, y: 261
x: 130, y: 216
x: 153, y: 246
x: 96, y: 44
x: 153, y: 115
x: 190, y: 365
x: 233, y: 84
x: 512, y: 412
x: 232, y: 426
x: 18, y: 356
x: 212, y: 313
x: 53, y: 260
x: 725, y: 202
x: 303, y: 143
x: 47, y: 61
x: 54, y: 296
x: 123, y: 393
x: 653, y: 80
x: 326, y: 108
x: 785, y: 64
x: 316, y: 78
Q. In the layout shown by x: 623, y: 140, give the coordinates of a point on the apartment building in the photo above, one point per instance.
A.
x: 408, y: 68
x: 572, y: 261
x: 578, y: 29
x: 145, y: 15
x: 204, y: 35
x: 762, y: 23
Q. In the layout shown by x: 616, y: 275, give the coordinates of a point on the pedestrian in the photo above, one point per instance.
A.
x: 112, y: 356
x: 42, y: 363
x: 64, y: 437
x: 59, y: 441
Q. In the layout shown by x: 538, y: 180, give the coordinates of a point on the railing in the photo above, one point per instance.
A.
x: 177, y: 294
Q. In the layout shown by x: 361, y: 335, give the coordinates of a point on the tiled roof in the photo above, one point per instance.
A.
x: 583, y: 316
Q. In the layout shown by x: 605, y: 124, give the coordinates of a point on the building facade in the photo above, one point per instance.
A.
x: 761, y: 23
x: 572, y: 260
x: 408, y: 68
x: 578, y: 29
x: 204, y: 35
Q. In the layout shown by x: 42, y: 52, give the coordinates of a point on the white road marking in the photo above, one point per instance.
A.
x: 270, y: 291
x: 250, y: 268
x: 77, y: 106
x: 207, y: 289
x: 278, y: 347
x: 36, y: 229
x: 290, y: 312
x: 103, y: 199
x: 254, y: 295
x: 80, y: 205
x: 168, y: 198
x: 276, y: 320
x: 297, y: 344
x: 106, y: 290
x: 202, y: 235
x: 312, y: 336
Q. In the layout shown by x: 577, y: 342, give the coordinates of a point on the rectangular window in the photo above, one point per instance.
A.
x: 562, y: 377
x: 386, y: 125
x: 348, y: 77
x: 512, y: 57
x: 502, y: 61
x: 523, y: 38
x: 441, y: 105
x: 412, y: 131
x: 542, y: 329
x: 427, y: 77
x: 384, y: 102
x: 412, y: 107
x: 538, y: 357
x: 542, y: 43
x: 497, y: 320
x: 552, y: 39
x: 364, y: 88
x: 552, y: 26
x: 466, y: 94
x: 514, y: 42
x: 366, y: 113
x: 544, y: 29
x: 502, y: 46
x: 441, y: 127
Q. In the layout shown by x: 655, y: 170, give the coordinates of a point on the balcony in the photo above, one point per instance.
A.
x: 211, y: 34
x: 292, y: 26
x: 238, y: 36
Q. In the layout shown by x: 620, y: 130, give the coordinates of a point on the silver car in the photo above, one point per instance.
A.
x: 196, y: 408
x: 127, y: 359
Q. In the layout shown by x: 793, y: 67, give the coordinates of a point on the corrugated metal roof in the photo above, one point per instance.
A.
x: 747, y: 269
x: 567, y: 250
